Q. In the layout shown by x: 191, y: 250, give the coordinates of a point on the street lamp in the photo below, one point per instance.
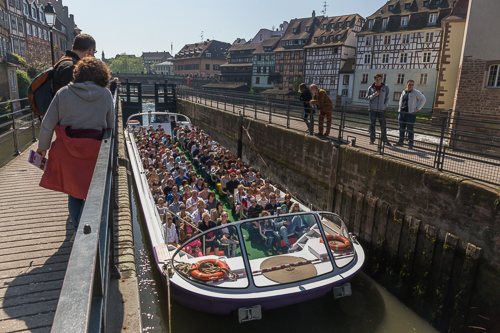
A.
x: 50, y: 17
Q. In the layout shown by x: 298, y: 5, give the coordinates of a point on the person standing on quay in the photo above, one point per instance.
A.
x: 305, y: 97
x: 410, y: 102
x: 378, y: 95
x: 325, y: 106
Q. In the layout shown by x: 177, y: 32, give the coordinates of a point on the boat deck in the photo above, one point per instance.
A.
x: 34, y: 248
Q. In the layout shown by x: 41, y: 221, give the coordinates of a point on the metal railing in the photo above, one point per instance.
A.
x: 461, y: 143
x: 18, y: 129
x: 83, y: 301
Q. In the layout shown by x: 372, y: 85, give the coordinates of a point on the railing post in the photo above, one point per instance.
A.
x: 14, y: 128
x: 243, y: 106
x: 255, y: 108
x: 439, y: 156
x: 288, y: 115
x: 217, y: 101
x: 233, y: 103
x: 270, y: 114
x: 341, y: 124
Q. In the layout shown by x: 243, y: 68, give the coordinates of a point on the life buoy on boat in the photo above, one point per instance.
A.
x: 339, y: 238
x: 195, y: 270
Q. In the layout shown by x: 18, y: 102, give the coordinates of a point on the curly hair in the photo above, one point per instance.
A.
x: 92, y: 69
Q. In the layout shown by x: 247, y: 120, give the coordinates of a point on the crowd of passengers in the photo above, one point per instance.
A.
x: 186, y: 204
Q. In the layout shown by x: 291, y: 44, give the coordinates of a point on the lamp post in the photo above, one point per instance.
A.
x: 50, y: 17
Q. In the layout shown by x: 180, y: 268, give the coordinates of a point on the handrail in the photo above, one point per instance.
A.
x: 82, y: 305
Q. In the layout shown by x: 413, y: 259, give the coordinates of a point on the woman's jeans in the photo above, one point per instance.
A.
x: 75, y: 207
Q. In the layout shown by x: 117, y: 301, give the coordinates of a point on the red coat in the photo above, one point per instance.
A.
x: 71, y: 164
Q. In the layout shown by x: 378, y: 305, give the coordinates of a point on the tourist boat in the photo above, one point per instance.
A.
x: 248, y: 278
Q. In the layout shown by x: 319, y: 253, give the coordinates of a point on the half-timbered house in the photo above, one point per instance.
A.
x: 333, y: 42
x: 402, y: 41
x: 264, y: 64
x: 239, y: 64
x: 290, y: 53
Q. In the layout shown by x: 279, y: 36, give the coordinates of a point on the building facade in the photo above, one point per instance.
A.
x: 346, y: 82
x: 149, y: 59
x: 14, y: 10
x: 333, y: 42
x: 66, y: 25
x: 239, y: 64
x: 290, y: 53
x: 4, y: 30
x: 401, y: 41
x: 264, y: 34
x: 37, y: 32
x: 264, y: 73
x: 164, y: 68
x: 201, y: 59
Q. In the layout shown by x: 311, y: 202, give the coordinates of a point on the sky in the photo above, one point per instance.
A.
x: 136, y: 26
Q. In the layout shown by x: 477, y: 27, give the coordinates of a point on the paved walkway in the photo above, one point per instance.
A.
x: 475, y: 167
x: 34, y: 248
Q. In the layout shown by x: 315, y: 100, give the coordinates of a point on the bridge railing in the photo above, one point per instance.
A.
x: 459, y: 143
x: 83, y: 301
x: 18, y: 129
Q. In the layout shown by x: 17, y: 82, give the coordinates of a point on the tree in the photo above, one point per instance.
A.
x: 126, y: 64
x: 23, y: 82
x: 297, y: 83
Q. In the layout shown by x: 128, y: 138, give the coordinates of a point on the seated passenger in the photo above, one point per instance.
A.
x: 269, y: 230
x: 227, y: 235
x: 198, y: 214
x: 300, y: 221
x: 263, y: 199
x: 170, y: 231
x: 272, y: 206
x: 240, y: 209
x: 286, y: 226
x: 210, y: 239
x: 161, y: 206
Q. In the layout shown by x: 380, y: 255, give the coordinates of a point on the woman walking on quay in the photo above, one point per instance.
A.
x: 79, y: 114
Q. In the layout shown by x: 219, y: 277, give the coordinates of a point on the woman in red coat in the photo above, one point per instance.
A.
x: 79, y: 114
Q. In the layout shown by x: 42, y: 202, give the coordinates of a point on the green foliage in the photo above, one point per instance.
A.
x: 296, y: 84
x: 124, y: 64
x: 36, y: 67
x: 4, y: 109
x: 21, y: 60
x: 23, y: 82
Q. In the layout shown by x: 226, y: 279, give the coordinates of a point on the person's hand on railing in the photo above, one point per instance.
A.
x: 42, y: 152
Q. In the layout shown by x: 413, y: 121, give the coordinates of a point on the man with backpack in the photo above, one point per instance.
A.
x: 83, y: 46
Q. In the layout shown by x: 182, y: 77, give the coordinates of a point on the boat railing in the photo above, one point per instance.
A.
x: 83, y: 301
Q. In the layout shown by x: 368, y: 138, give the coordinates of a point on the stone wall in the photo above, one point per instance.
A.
x: 431, y: 239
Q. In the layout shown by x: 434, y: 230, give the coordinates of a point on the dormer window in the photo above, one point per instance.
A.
x: 324, y: 26
x: 407, y: 6
x: 438, y: 2
x: 370, y: 24
x: 208, y: 55
x: 339, y: 37
x: 340, y: 24
x: 348, y: 24
x: 332, y: 25
x: 404, y: 21
x: 391, y: 7
x: 323, y: 39
x: 432, y: 18
x: 315, y: 39
x: 331, y: 38
x: 307, y: 29
x: 294, y: 30
x: 384, y: 23
x: 426, y: 3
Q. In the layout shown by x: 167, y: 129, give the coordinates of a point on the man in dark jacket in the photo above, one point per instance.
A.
x: 305, y: 97
x: 378, y: 97
x: 83, y: 46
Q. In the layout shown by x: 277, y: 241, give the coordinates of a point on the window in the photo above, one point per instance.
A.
x: 324, y: 26
x: 438, y: 2
x: 385, y: 58
x: 257, y: 80
x: 427, y: 57
x: 55, y: 38
x: 407, y: 6
x: 345, y: 92
x: 282, y: 55
x: 323, y: 39
x: 281, y: 68
x: 387, y: 39
x: 208, y: 55
x: 370, y: 24
x: 335, y: 50
x: 13, y: 85
x: 292, y: 68
x: 364, y: 78
x: 28, y: 28
x: 291, y: 79
x: 321, y: 80
x: 207, y: 67
x: 401, y: 79
x: 345, y: 80
x: 391, y: 7
x: 397, y: 95
x: 301, y: 68
x: 339, y: 37
x: 324, y: 66
x: 13, y: 23
x: 292, y: 55
x: 429, y: 37
x: 301, y: 55
x: 362, y: 94
x: 294, y: 30
x: 423, y: 78
x: 384, y: 23
x: 258, y: 69
x: 426, y: 3
x: 405, y: 39
x: 403, y: 58
x: 404, y: 21
x: 20, y: 26
x: 432, y: 18
x: 315, y: 39
x: 348, y: 24
x: 307, y: 29
x: 368, y: 58
x: 340, y: 24
x: 368, y: 41
x: 493, y: 77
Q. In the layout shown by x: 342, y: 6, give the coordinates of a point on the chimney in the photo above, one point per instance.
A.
x: 314, y: 14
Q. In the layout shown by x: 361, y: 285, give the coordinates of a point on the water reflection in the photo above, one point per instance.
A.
x: 370, y: 308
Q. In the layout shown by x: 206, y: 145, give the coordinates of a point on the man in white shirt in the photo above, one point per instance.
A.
x: 196, y: 216
x: 192, y: 202
x: 170, y: 232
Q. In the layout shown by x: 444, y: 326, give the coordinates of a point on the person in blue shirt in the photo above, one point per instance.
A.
x: 180, y: 177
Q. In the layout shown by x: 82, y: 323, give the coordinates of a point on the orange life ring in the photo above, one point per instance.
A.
x: 344, y: 240
x: 208, y: 277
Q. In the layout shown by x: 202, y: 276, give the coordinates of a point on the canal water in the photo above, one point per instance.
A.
x: 370, y: 308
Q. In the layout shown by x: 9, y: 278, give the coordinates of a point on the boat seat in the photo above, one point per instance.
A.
x: 220, y: 253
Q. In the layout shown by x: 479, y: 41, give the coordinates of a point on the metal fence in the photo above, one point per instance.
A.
x: 460, y: 143
x: 83, y: 301
x: 18, y: 129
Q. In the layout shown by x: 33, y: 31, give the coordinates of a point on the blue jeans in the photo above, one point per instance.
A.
x: 75, y: 207
x: 380, y: 115
x: 406, y: 121
x: 286, y: 230
x: 271, y: 237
